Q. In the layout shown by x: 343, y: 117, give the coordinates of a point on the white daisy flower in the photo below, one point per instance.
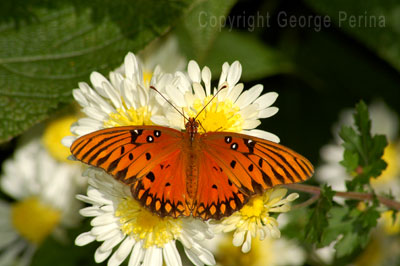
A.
x: 232, y: 110
x: 44, y: 190
x: 254, y: 220
x: 123, y: 100
x: 144, y: 237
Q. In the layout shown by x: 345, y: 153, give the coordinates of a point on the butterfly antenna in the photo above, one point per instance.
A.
x: 198, y: 121
x: 220, y: 89
x: 153, y: 88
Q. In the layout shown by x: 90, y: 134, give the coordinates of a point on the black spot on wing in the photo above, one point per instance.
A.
x: 148, y: 156
x: 249, y: 144
x: 135, y: 134
x: 150, y: 176
x: 251, y: 167
x: 157, y: 133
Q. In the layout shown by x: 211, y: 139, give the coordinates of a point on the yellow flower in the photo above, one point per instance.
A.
x: 55, y: 131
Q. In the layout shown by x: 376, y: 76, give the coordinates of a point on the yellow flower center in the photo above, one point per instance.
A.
x: 55, y: 131
x: 141, y: 224
x: 34, y: 220
x: 218, y: 116
x: 130, y: 117
x: 392, y: 169
x: 254, y: 208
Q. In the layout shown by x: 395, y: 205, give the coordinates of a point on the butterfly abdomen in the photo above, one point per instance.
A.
x: 192, y: 169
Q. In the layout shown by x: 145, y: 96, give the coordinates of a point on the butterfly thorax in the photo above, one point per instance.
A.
x: 191, y: 127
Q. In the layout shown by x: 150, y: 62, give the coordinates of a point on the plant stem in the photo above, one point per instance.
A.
x: 348, y: 195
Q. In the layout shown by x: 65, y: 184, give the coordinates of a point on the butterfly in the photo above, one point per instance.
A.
x: 183, y: 173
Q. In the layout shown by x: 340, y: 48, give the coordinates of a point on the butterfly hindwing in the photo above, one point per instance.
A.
x: 255, y: 165
x: 217, y: 196
x: 163, y: 188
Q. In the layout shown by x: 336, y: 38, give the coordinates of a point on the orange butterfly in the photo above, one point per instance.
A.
x: 174, y: 173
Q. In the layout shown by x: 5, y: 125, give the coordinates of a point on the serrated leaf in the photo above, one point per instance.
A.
x: 42, y: 61
x: 351, y: 139
x: 350, y: 160
x: 362, y: 121
x: 257, y: 58
x: 379, y: 143
x: 347, y: 245
x: 319, y: 217
x: 363, y: 149
x: 338, y: 224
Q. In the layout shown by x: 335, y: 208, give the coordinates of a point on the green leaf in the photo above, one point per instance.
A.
x: 42, y: 61
x: 352, y: 142
x: 355, y: 227
x: 338, y: 224
x: 258, y: 59
x: 361, y: 119
x: 347, y: 244
x: 350, y: 160
x: 200, y: 27
x: 362, y: 150
x: 319, y: 217
x: 373, y: 23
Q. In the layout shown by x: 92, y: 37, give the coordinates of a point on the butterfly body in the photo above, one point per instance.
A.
x: 206, y: 175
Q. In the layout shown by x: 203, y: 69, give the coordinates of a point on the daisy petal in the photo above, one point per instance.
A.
x: 266, y: 100
x: 270, y: 111
x: 194, y: 71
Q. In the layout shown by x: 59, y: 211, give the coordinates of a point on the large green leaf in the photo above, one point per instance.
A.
x: 375, y: 23
x: 257, y: 58
x: 44, y: 58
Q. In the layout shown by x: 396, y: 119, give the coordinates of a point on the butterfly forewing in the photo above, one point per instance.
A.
x: 148, y: 158
x: 256, y: 163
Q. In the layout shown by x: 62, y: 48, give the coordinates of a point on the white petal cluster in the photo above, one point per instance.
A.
x: 32, y: 175
x: 243, y: 110
x: 254, y: 220
x: 105, y: 196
